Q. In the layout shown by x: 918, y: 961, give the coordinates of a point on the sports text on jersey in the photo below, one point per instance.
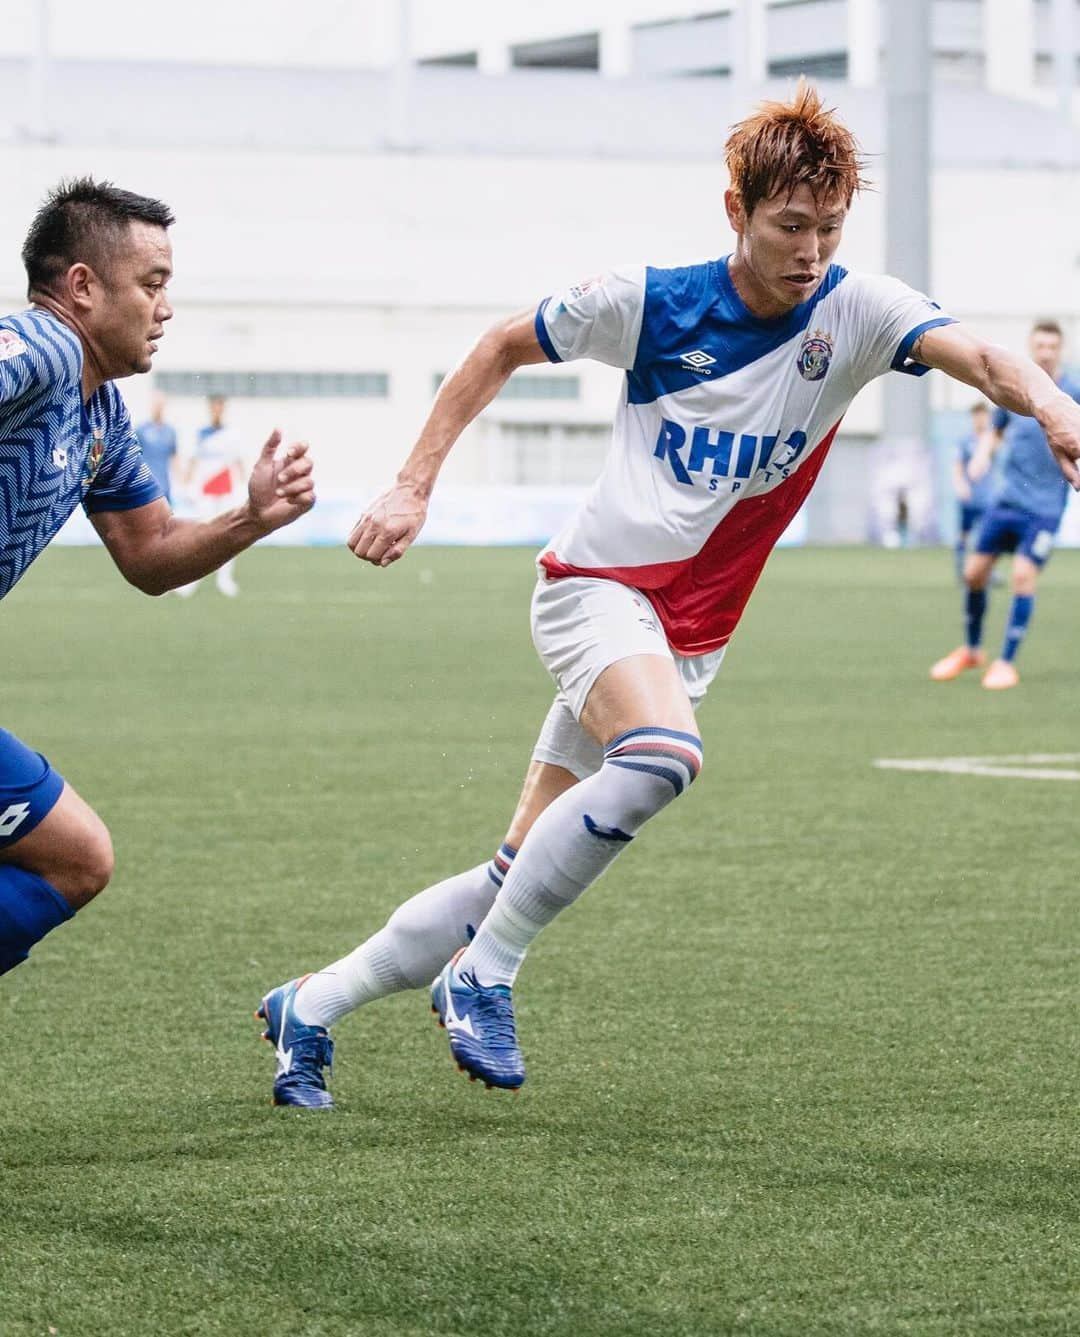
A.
x: 717, y: 449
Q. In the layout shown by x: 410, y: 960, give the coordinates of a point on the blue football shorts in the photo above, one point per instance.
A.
x: 29, y: 789
x: 1009, y: 529
x: 969, y: 516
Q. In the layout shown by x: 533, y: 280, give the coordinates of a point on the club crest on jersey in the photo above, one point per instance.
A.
x: 583, y: 289
x: 94, y: 457
x: 10, y: 345
x: 815, y: 355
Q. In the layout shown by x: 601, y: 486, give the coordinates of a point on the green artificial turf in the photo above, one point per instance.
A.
x: 804, y: 1062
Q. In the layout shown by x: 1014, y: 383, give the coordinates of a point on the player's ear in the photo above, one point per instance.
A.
x: 80, y: 281
x: 734, y: 206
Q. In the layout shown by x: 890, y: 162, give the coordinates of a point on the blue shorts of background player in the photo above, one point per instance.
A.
x: 968, y: 517
x: 1009, y: 529
x: 51, y: 843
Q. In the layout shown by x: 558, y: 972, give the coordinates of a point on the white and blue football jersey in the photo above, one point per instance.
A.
x: 724, y: 422
x: 56, y: 451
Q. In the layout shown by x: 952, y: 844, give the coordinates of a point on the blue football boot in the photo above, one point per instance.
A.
x: 479, y: 1022
x: 302, y: 1051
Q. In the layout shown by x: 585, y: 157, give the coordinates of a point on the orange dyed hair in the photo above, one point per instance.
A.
x: 788, y: 144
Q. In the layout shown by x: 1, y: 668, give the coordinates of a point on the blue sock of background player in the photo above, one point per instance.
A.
x: 974, y: 611
x: 1017, y: 625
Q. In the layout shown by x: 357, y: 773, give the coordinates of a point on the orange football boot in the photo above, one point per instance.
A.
x: 1000, y: 674
x: 961, y: 659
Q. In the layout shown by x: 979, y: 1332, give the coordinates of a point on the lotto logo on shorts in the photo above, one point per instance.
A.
x: 12, y: 817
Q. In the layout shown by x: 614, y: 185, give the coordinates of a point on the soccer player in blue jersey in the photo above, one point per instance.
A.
x: 972, y: 494
x: 98, y: 262
x: 738, y: 371
x: 157, y: 441
x: 1023, y: 519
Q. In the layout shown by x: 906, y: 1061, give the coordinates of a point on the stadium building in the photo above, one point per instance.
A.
x: 354, y: 210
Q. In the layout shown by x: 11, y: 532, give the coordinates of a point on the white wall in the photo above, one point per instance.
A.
x: 395, y: 263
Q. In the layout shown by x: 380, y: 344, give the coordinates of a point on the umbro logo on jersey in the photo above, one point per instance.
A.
x: 698, y: 360
x: 59, y: 457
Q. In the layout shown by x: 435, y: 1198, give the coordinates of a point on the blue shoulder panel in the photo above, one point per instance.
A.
x: 696, y: 323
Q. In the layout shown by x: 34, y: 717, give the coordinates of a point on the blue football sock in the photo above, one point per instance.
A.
x: 974, y: 609
x: 29, y: 908
x: 959, y: 553
x: 1019, y: 617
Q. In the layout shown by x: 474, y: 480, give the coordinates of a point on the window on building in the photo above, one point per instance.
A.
x: 529, y: 386
x: 827, y: 65
x: 462, y: 59
x: 545, y: 454
x: 580, y: 52
x: 276, y: 384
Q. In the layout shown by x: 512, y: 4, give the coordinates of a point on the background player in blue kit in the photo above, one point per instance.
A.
x: 157, y: 441
x: 972, y: 494
x: 98, y: 262
x: 1023, y: 518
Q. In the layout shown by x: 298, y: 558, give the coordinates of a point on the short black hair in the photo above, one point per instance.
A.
x: 84, y: 221
x: 1048, y: 325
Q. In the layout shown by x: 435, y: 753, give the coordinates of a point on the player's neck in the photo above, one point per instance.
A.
x: 753, y: 294
x: 93, y: 375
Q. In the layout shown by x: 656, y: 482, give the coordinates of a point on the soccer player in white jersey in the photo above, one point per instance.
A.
x: 738, y: 372
x: 98, y: 263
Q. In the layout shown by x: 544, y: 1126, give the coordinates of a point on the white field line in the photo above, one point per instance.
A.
x: 1025, y: 766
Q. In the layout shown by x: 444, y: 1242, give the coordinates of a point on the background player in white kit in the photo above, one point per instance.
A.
x: 738, y: 372
x: 214, y: 479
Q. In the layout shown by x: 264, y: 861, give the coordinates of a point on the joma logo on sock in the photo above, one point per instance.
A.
x: 13, y: 816
x: 726, y: 454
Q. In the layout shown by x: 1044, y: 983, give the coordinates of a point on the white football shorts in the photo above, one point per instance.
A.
x: 580, y: 626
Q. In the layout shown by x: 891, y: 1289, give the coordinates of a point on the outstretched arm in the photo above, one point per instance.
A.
x: 388, y: 527
x: 157, y: 552
x: 1010, y: 381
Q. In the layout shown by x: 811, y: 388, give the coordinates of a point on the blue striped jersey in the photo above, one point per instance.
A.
x: 56, y: 451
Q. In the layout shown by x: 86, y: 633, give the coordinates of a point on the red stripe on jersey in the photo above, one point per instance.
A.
x: 700, y: 599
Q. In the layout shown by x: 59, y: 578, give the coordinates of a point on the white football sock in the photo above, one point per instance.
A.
x: 417, y: 941
x: 575, y: 839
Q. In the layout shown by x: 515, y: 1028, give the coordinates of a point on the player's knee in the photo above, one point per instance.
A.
x: 87, y: 871
x: 100, y: 862
x: 666, y: 763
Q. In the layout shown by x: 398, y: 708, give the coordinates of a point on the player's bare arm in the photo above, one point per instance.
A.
x: 987, y: 445
x: 961, y: 481
x: 389, y: 526
x: 1010, y: 381
x: 157, y: 552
